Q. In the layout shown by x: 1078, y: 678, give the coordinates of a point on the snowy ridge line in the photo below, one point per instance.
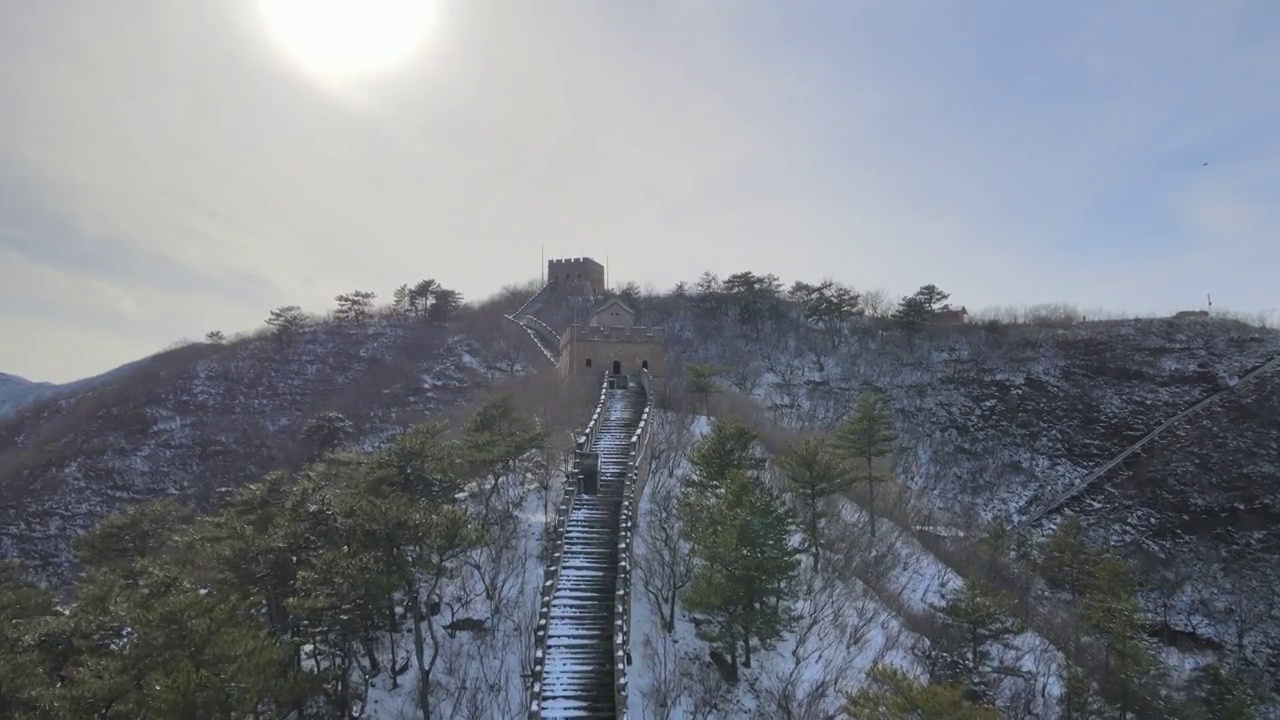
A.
x: 1065, y: 496
x: 551, y: 574
x: 631, y: 489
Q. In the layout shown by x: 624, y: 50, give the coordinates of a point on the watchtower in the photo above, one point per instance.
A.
x: 611, y: 342
x: 577, y: 270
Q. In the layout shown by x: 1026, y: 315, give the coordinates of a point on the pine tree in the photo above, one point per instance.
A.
x: 444, y: 305
x: 912, y: 314
x: 1079, y: 699
x: 932, y: 298
x: 215, y: 337
x: 745, y: 569
x: 755, y: 296
x: 400, y: 300
x: 1224, y: 692
x: 829, y: 306
x: 979, y: 618
x: 419, y: 296
x: 325, y: 432
x: 24, y: 608
x: 813, y: 475
x: 355, y: 306
x: 495, y: 438
x: 730, y: 446
x: 864, y: 438
x: 288, y: 321
x: 891, y: 694
x: 419, y: 464
x: 138, y: 534
x: 1110, y: 611
x: 702, y: 383
x: 1067, y: 561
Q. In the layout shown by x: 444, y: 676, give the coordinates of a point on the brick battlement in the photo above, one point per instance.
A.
x: 575, y: 271
x: 574, y: 262
x: 616, y: 333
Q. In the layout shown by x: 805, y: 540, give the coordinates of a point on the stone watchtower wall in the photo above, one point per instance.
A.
x: 592, y: 349
x: 577, y: 270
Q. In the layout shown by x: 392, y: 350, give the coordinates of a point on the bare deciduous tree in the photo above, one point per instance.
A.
x: 665, y: 692
x: 664, y: 565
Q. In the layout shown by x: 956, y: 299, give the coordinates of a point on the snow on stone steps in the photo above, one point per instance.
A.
x: 578, y: 678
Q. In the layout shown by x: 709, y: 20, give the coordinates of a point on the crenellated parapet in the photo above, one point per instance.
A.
x: 577, y: 270
x: 616, y: 333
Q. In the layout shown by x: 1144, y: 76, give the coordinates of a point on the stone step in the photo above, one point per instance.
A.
x: 578, y: 677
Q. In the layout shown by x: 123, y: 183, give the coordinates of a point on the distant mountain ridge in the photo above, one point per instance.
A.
x: 18, y: 392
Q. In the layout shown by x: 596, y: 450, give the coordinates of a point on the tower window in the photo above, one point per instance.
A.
x: 588, y: 362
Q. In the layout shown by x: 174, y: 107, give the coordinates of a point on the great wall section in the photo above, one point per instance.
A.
x: 1078, y: 488
x: 581, y: 652
x: 582, y: 639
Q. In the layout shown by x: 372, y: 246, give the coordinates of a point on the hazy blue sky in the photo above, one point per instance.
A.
x: 165, y: 169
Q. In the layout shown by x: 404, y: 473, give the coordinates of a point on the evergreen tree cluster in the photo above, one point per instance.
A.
x: 282, y: 603
x: 1114, y: 666
x: 426, y: 300
x: 745, y: 568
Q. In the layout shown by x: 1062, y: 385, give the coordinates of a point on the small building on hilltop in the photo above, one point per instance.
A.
x: 949, y: 316
x: 1190, y: 314
x: 611, y: 342
x: 613, y: 313
x: 582, y: 272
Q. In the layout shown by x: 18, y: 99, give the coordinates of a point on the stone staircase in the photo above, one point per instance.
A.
x: 579, y: 676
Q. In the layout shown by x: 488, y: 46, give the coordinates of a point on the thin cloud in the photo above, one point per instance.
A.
x: 1007, y: 154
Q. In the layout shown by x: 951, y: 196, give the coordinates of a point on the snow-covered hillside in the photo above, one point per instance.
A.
x: 999, y: 419
x: 996, y: 420
x: 204, y: 417
x: 875, y: 603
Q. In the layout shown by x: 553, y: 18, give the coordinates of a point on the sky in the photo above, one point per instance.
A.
x: 170, y: 167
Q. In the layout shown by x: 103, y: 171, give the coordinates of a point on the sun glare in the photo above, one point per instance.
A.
x: 346, y: 38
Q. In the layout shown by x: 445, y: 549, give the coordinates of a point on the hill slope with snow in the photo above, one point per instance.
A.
x: 192, y: 421
x: 998, y: 420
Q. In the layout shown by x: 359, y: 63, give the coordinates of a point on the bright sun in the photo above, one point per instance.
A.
x: 345, y: 38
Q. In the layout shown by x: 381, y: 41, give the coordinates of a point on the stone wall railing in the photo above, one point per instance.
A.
x: 636, y: 464
x: 551, y: 336
x: 536, y: 341
x: 614, y: 332
x: 1079, y: 487
x: 551, y: 573
x: 536, y: 298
